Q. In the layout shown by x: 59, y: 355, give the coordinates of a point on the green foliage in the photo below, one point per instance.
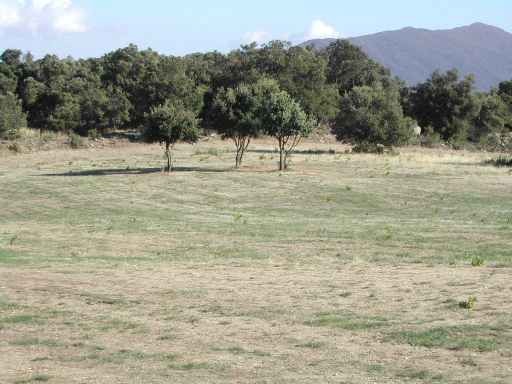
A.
x: 170, y: 123
x: 493, y: 121
x: 121, y: 88
x: 76, y: 141
x: 446, y: 104
x: 502, y: 161
x: 348, y: 67
x: 477, y: 261
x: 372, y: 115
x: 236, y: 115
x: 283, y: 119
x: 12, y: 117
x: 468, y: 304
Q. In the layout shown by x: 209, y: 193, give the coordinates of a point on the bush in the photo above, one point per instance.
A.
x: 431, y: 139
x: 468, y: 304
x: 373, y: 115
x: 76, y: 141
x: 366, y: 147
x: 501, y: 161
x: 477, y: 261
x: 12, y: 117
x: 93, y: 134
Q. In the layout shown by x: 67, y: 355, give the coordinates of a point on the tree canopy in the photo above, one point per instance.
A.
x: 170, y: 123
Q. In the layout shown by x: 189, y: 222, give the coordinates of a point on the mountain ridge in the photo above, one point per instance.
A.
x: 414, y: 53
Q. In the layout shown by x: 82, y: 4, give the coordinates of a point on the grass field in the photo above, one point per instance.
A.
x: 345, y: 269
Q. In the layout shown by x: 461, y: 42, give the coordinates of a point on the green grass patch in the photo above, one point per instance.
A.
x: 21, y: 319
x: 38, y: 378
x: 188, y: 366
x: 347, y: 320
x: 11, y: 257
x: 420, y: 375
x: 311, y: 345
x: 470, y: 337
x: 34, y: 341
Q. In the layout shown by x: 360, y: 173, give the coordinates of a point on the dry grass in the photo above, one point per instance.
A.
x: 348, y: 268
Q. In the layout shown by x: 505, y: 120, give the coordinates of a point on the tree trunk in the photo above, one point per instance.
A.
x: 282, y: 159
x: 168, y: 154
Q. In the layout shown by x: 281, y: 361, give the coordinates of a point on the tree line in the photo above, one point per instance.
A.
x: 276, y: 89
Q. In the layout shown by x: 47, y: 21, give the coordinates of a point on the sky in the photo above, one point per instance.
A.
x: 90, y: 28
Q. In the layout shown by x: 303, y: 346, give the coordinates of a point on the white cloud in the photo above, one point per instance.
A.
x: 42, y: 15
x: 258, y: 37
x: 9, y: 14
x: 319, y: 29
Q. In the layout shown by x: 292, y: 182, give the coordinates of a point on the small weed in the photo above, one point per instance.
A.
x: 468, y: 304
x: 501, y: 161
x: 468, y: 362
x: 477, y: 261
x: 239, y: 219
x: 76, y: 141
x: 40, y: 359
x: 13, y: 240
x: 375, y: 369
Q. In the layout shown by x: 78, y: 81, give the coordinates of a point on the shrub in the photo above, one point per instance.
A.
x: 501, y: 161
x: 12, y: 117
x: 76, y: 141
x: 468, y: 304
x: 15, y: 147
x: 373, y: 115
x: 93, y: 134
x: 477, y: 261
x: 431, y: 139
x: 366, y: 147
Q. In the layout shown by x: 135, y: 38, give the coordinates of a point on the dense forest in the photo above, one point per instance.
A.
x: 275, y: 89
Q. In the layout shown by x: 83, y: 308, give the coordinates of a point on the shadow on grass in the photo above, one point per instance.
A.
x: 132, y: 171
x: 296, y: 152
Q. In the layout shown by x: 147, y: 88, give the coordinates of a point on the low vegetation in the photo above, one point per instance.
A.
x: 109, y: 269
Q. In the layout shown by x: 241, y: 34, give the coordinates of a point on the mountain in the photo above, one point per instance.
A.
x: 413, y: 54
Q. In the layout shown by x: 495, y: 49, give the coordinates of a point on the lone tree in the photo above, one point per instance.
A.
x: 284, y: 119
x: 236, y: 117
x: 170, y: 123
x: 237, y: 113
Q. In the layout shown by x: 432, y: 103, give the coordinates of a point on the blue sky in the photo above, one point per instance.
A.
x: 84, y: 28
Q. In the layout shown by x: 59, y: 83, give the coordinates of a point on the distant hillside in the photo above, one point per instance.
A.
x: 413, y: 54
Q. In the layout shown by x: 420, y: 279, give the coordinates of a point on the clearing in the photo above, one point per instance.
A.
x: 346, y: 269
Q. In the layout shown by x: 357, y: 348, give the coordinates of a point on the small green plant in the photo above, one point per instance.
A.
x: 477, y: 261
x: 15, y: 147
x: 469, y: 304
x: 93, y: 134
x: 76, y: 141
x: 239, y: 218
x: 501, y: 161
x: 366, y: 147
x: 213, y: 152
